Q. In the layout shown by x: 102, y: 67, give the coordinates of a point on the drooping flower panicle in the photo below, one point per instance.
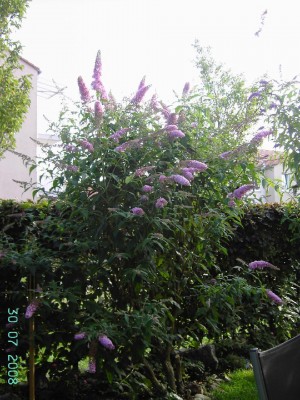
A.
x: 106, y: 342
x: 272, y: 296
x: 138, y: 97
x: 261, y: 265
x: 198, y: 165
x: 260, y: 136
x: 80, y: 336
x: 137, y: 211
x: 84, y: 92
x: 241, y: 191
x: 87, y: 145
x: 117, y: 135
x: 147, y: 188
x: 180, y: 179
x: 31, y: 308
x: 161, y: 202
x: 98, y: 112
x: 254, y: 95
x: 97, y: 82
x: 176, y: 134
x: 186, y: 89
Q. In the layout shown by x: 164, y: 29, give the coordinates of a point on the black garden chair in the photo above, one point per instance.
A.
x: 277, y: 371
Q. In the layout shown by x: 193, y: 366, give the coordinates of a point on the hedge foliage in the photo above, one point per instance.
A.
x: 236, y: 314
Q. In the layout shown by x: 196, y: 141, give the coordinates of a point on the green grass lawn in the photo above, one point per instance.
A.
x: 241, y: 387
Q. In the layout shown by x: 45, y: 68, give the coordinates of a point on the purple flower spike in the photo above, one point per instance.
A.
x: 253, y: 95
x: 171, y: 128
x: 161, y: 202
x: 154, y: 103
x: 231, y: 203
x: 162, y: 178
x: 199, y: 166
x: 98, y: 111
x: 272, y: 296
x: 117, y: 135
x: 31, y: 309
x: 106, y: 342
x: 261, y: 265
x: 142, y: 83
x: 186, y: 89
x: 188, y: 173
x: 241, y: 191
x: 98, y: 66
x: 147, y: 188
x: 87, y: 145
x: 97, y: 83
x: 176, y: 134
x: 138, y: 97
x: 260, y: 136
x: 92, y: 366
x: 180, y: 179
x: 226, y: 155
x: 137, y: 211
x: 172, y: 119
x: 84, y: 92
x: 80, y: 336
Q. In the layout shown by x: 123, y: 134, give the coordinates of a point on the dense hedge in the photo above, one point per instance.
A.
x: 268, y: 232
x: 233, y: 314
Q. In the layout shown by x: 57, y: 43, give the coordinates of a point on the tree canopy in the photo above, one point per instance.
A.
x: 14, y: 90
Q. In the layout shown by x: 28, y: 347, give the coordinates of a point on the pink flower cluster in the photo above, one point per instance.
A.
x: 161, y: 202
x: 117, y: 135
x: 31, y: 309
x: 137, y: 211
x: 261, y: 265
x: 241, y: 191
x: 87, y: 145
x: 142, y: 90
x: 198, y: 165
x: 131, y: 144
x: 180, y: 179
x: 84, y: 92
x: 98, y: 112
x: 71, y: 148
x: 260, y: 136
x: 173, y: 131
x: 186, y: 89
x: 147, y: 188
x: 188, y: 173
x: 272, y: 296
x: 97, y: 83
x: 80, y: 336
x: 106, y: 342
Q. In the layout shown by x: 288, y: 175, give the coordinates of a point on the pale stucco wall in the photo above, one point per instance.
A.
x: 11, y: 166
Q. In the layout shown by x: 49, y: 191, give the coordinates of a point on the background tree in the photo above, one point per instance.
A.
x: 14, y: 91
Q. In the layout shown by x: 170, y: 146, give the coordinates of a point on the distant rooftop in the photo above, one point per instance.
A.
x: 32, y: 65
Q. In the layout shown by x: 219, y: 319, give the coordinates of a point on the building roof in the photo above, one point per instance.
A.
x: 32, y: 65
x: 269, y: 158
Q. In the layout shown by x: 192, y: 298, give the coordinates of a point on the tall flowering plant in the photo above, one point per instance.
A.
x: 147, y: 209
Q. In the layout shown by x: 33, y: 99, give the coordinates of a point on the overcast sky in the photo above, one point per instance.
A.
x: 154, y: 38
